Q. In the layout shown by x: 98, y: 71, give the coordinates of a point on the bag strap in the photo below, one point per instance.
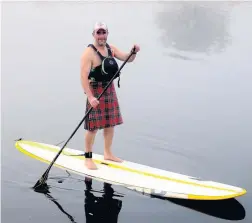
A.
x: 109, y: 50
x: 110, y: 54
x: 97, y: 51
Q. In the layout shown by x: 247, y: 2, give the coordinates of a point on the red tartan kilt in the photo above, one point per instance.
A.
x: 107, y: 113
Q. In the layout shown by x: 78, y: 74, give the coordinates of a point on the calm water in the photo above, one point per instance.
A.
x: 186, y: 103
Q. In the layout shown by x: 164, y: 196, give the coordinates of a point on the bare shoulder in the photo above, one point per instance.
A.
x: 87, y: 54
x: 113, y: 47
x: 86, y: 60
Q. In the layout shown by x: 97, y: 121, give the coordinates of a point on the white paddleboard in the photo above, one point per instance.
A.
x: 131, y: 175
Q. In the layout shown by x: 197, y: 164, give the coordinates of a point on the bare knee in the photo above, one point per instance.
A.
x: 88, y: 132
x: 108, y: 130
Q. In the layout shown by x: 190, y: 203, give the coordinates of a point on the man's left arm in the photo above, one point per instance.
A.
x: 120, y: 55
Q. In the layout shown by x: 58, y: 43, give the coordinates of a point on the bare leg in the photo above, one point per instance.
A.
x: 89, y: 141
x: 108, y: 138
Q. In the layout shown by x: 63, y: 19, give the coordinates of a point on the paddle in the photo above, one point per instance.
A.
x: 41, y: 182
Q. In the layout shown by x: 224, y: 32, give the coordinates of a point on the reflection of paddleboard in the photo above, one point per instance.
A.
x: 132, y: 175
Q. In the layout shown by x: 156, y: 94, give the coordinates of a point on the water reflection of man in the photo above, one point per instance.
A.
x: 105, y: 208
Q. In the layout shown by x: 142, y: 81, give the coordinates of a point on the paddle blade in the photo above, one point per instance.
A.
x: 41, y: 183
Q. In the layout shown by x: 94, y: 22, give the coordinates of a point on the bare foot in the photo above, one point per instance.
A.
x: 112, y: 158
x: 89, y: 163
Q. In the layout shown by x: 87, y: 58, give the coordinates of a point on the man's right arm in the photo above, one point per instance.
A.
x: 85, y: 69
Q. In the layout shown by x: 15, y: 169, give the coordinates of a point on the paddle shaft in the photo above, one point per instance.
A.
x: 44, y: 177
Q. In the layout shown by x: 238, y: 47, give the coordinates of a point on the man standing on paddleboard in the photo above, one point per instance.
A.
x: 98, y: 66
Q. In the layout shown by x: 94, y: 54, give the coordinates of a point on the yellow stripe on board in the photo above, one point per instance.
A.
x: 203, y: 197
x: 30, y: 143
